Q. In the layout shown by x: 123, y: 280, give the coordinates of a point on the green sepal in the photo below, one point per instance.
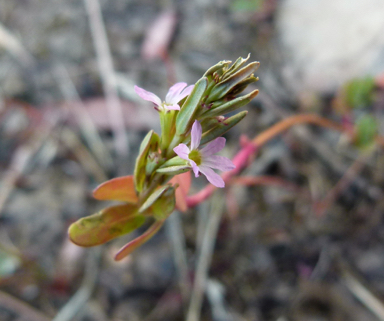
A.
x: 185, y: 117
x: 167, y: 123
x: 230, y: 106
x: 106, y: 225
x: 222, y: 127
x: 366, y: 131
x: 149, y: 143
x: 225, y: 86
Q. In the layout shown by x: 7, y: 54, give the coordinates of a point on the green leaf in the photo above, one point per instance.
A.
x: 366, y: 131
x: 174, y: 170
x: 153, y: 197
x: 359, y: 92
x: 164, y: 205
x: 222, y: 127
x: 185, y: 117
x: 247, y: 5
x: 149, y: 143
x: 220, y: 65
x: 231, y: 105
x: 225, y: 86
x: 106, y: 225
x: 240, y: 62
x: 174, y: 161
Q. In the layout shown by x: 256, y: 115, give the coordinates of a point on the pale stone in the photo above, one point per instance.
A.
x: 327, y: 42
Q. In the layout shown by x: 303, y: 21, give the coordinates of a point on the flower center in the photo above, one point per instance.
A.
x: 195, y: 156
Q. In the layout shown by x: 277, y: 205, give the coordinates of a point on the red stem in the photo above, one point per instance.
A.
x: 241, y: 158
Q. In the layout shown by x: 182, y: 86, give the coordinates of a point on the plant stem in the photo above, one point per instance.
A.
x: 241, y: 158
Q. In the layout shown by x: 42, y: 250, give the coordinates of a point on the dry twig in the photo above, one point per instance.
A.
x: 204, y: 259
x: 104, y: 59
x: 22, y: 309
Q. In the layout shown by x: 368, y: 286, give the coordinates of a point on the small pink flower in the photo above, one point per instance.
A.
x: 176, y: 93
x: 203, y: 161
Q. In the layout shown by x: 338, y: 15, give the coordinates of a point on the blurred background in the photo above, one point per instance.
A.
x: 298, y: 236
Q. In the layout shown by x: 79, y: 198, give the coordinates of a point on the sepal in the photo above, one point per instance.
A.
x: 149, y: 144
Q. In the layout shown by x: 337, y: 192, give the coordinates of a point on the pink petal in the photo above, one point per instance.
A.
x: 213, y: 147
x: 218, y: 162
x: 212, y: 177
x: 196, y: 135
x: 184, y: 93
x: 173, y: 107
x: 195, y: 168
x: 146, y: 95
x: 174, y: 91
x: 182, y: 151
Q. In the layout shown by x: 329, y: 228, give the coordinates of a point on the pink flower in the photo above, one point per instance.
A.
x: 203, y: 161
x: 176, y: 93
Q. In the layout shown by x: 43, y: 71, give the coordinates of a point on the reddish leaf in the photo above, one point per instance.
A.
x: 106, y: 225
x: 117, y: 189
x: 184, y: 181
x: 134, y: 244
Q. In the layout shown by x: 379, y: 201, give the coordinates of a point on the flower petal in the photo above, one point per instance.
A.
x: 196, y: 135
x: 146, y: 95
x: 182, y: 151
x: 173, y: 92
x: 213, y: 147
x: 195, y: 168
x: 218, y: 162
x: 184, y: 93
x: 172, y: 107
x: 212, y: 177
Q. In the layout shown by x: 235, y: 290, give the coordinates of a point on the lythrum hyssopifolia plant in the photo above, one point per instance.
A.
x: 192, y: 120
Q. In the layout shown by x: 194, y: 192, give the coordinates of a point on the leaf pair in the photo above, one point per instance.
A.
x: 119, y: 220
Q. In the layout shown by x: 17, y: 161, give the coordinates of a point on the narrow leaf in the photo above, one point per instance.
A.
x: 224, y: 87
x: 153, y: 197
x: 174, y: 161
x: 231, y: 105
x: 164, y: 205
x: 222, y: 127
x: 240, y: 62
x: 220, y: 65
x: 117, y: 189
x: 105, y: 225
x: 174, y: 170
x: 185, y: 117
x: 134, y: 244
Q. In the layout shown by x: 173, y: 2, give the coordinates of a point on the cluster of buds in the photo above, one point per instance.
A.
x: 190, y: 117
